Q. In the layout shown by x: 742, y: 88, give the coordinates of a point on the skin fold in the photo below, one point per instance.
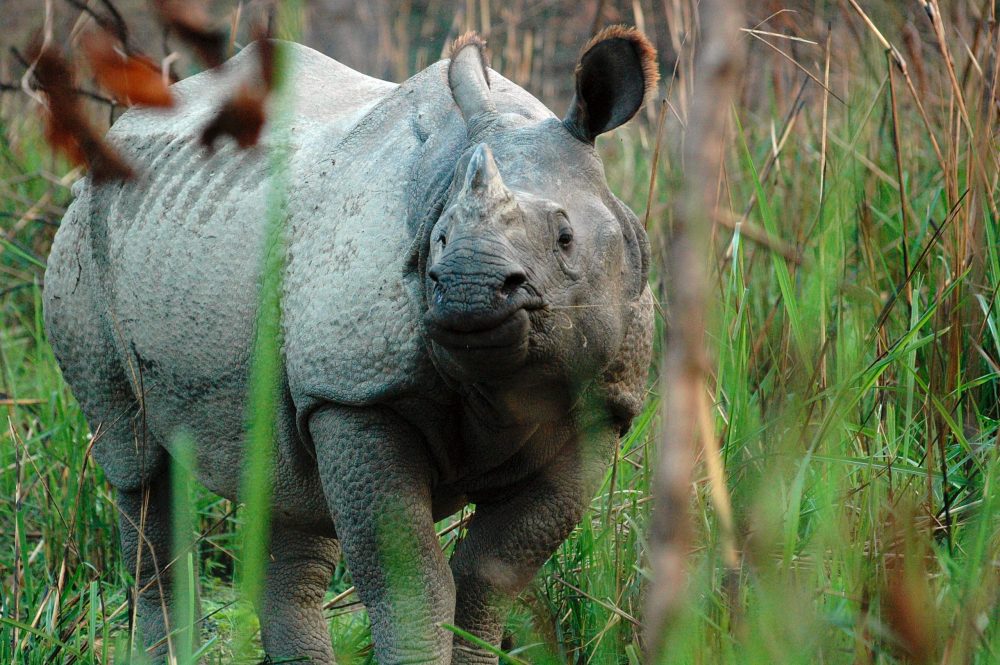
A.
x: 465, y: 319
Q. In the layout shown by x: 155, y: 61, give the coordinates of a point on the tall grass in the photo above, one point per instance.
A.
x: 266, y: 373
x: 855, y: 392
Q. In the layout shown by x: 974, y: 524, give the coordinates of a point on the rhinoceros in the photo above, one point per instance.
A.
x: 465, y: 320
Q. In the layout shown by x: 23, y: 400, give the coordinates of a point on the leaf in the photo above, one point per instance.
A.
x: 192, y: 25
x: 241, y: 117
x: 908, y: 606
x: 67, y: 128
x: 131, y: 78
x: 483, y: 644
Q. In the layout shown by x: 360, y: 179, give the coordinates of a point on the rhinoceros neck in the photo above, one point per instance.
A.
x: 501, y: 421
x: 507, y: 405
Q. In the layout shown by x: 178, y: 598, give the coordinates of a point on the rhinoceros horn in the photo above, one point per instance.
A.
x: 482, y: 178
x: 469, y: 78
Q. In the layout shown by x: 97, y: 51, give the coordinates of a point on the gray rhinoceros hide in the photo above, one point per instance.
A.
x: 178, y: 252
x: 464, y: 318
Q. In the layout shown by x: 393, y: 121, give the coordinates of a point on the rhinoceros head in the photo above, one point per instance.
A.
x: 534, y: 265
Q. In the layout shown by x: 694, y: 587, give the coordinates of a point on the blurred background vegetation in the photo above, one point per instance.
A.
x: 854, y: 390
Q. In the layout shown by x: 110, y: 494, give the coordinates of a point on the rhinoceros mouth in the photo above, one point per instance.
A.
x: 508, y: 332
x: 455, y: 327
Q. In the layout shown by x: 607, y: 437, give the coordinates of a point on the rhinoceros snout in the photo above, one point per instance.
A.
x: 487, y: 304
x: 474, y: 305
x: 476, y: 295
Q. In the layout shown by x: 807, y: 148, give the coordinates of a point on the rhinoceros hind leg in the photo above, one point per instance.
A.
x: 145, y: 527
x: 299, y: 571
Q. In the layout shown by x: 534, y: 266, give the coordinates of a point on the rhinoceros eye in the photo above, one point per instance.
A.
x: 565, y: 230
x: 565, y: 237
x: 565, y: 249
x: 443, y: 239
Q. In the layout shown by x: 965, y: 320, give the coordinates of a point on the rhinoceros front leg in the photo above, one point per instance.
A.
x: 299, y: 570
x: 377, y: 480
x: 506, y: 543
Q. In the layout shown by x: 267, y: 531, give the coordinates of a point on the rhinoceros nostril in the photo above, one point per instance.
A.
x: 434, y: 273
x: 514, y: 281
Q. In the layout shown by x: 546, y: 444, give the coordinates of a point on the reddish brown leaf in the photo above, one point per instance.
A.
x: 241, y: 117
x: 132, y: 79
x: 66, y: 126
x: 907, y: 597
x: 61, y: 139
x: 104, y: 162
x: 192, y: 25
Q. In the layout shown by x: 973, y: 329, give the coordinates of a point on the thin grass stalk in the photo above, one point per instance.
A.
x: 933, y: 10
x: 901, y: 63
x: 719, y: 493
x: 265, y: 382
x: 18, y: 554
x: 824, y: 128
x: 182, y: 568
x: 904, y: 218
x: 653, y: 172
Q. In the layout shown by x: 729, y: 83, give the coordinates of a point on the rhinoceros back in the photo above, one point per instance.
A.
x: 172, y: 258
x: 152, y: 284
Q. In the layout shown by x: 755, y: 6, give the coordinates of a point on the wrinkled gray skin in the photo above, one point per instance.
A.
x: 466, y: 319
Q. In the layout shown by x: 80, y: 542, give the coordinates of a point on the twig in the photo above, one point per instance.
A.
x: 684, y: 259
x: 20, y: 58
x: 11, y: 87
x: 117, y: 19
x: 114, y: 24
x: 656, y: 159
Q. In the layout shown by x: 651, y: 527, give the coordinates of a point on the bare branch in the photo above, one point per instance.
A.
x: 685, y: 257
x: 114, y: 23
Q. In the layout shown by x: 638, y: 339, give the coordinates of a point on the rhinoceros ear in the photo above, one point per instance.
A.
x: 616, y: 73
x: 469, y: 78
